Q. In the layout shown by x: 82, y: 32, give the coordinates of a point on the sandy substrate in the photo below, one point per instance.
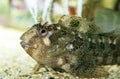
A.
x: 16, y: 64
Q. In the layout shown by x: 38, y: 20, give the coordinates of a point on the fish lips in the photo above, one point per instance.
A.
x: 25, y: 44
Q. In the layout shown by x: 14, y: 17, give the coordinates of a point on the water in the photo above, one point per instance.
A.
x: 79, y: 8
x: 32, y: 5
x: 33, y: 8
x: 46, y: 8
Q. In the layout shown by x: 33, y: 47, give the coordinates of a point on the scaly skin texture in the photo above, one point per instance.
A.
x: 79, y: 24
x: 71, y: 50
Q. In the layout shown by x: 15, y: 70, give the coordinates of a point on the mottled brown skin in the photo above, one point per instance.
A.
x: 71, y: 50
x: 79, y: 24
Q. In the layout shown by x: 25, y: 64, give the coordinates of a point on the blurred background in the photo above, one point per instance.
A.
x: 17, y: 16
x: 21, y: 14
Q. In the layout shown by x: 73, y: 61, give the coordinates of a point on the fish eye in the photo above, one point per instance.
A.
x: 43, y: 32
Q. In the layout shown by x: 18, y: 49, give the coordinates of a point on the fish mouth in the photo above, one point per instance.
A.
x: 25, y: 44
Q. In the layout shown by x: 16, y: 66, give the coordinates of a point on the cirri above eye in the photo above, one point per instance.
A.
x: 43, y: 32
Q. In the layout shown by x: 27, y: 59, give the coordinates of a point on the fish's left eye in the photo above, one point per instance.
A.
x: 43, y: 32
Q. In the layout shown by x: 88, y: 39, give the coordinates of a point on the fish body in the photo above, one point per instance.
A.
x: 71, y: 50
